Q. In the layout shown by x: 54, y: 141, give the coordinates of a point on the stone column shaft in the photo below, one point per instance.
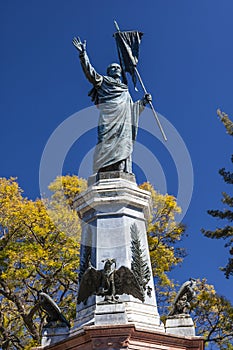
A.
x: 111, y: 211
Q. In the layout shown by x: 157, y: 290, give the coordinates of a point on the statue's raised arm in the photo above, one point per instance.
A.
x: 89, y: 71
x: 81, y: 47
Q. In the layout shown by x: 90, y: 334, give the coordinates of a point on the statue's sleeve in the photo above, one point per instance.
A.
x: 139, y: 106
x: 93, y: 77
x: 137, y: 109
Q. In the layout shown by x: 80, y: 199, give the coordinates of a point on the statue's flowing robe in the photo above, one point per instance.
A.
x: 118, y: 121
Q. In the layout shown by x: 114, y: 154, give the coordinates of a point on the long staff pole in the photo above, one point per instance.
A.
x: 145, y: 91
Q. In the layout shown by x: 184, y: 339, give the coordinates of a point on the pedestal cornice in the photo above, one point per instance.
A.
x: 113, y: 190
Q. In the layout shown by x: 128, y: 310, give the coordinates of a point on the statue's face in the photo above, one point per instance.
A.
x: 114, y: 70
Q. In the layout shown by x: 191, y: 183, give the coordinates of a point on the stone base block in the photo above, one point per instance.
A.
x: 144, y: 316
x: 127, y: 337
x: 110, y: 175
x: 110, y: 314
x: 51, y: 336
x: 180, y: 325
x: 85, y: 316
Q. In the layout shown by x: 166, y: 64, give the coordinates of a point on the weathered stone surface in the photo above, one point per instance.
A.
x: 180, y: 325
x: 53, y: 335
x: 111, y: 194
x: 106, y: 314
x: 94, y: 179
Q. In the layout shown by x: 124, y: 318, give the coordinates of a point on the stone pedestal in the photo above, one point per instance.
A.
x: 127, y: 337
x: 54, y: 335
x: 111, y: 209
x: 180, y: 325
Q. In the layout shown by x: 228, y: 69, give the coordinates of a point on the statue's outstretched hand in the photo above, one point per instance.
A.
x: 80, y: 46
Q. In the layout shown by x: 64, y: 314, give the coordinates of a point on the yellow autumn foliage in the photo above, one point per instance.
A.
x: 39, y: 250
x: 36, y: 253
x: 163, y: 234
x: 213, y: 316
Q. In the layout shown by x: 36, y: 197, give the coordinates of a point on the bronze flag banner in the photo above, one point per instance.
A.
x: 128, y: 51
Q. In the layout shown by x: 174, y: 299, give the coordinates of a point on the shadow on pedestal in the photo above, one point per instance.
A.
x: 180, y: 325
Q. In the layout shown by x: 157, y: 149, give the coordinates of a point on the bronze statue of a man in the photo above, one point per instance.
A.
x: 118, y: 121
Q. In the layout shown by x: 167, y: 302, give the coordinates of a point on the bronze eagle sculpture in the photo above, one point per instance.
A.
x: 186, y: 293
x: 54, y: 314
x: 109, y: 283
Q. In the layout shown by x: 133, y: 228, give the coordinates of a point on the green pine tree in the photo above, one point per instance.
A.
x: 225, y: 232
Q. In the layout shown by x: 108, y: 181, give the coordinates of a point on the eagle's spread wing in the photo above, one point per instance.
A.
x: 49, y: 306
x: 183, y: 290
x: 125, y: 282
x: 89, y: 284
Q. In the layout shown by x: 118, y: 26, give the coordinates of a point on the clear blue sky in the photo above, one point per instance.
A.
x: 186, y: 61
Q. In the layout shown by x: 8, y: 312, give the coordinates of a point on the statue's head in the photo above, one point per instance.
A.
x: 114, y: 70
